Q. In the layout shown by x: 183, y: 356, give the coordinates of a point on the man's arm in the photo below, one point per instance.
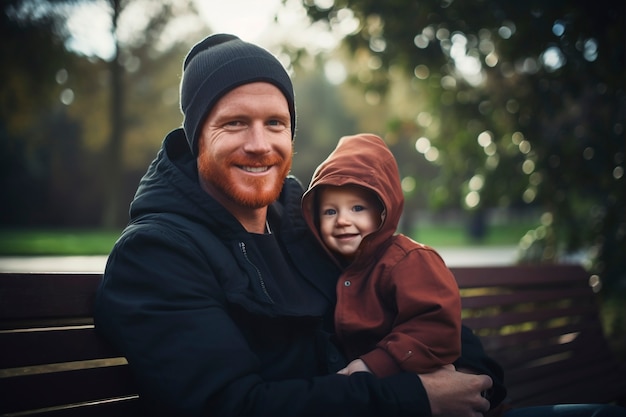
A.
x: 450, y: 393
x: 474, y: 360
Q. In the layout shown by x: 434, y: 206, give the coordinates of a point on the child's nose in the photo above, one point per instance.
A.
x: 343, y: 219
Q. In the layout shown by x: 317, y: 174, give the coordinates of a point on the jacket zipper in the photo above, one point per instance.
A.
x: 242, y: 246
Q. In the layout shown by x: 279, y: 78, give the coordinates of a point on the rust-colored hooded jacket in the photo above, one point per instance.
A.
x: 398, y: 304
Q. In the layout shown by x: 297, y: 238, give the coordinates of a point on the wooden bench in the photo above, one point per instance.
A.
x: 539, y: 322
x: 52, y: 363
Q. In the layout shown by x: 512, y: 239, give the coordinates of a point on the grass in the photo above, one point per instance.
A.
x: 456, y: 236
x: 66, y: 242
x: 79, y: 242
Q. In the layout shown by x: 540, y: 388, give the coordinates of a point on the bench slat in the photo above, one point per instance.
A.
x: 45, y: 390
x: 22, y: 348
x: 570, y: 385
x: 528, y: 356
x: 116, y: 407
x: 525, y: 296
x: 532, y: 372
x: 53, y: 295
x: 587, y: 391
x: 545, y: 274
x: 496, y: 342
x: 538, y: 315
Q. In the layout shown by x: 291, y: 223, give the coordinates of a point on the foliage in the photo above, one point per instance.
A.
x: 321, y: 122
x: 32, y: 53
x: 71, y: 141
x: 518, y: 104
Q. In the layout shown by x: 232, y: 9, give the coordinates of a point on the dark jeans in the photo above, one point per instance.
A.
x: 569, y: 410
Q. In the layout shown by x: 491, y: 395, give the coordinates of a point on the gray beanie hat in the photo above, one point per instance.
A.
x: 217, y: 65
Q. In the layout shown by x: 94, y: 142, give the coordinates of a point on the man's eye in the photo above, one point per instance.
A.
x: 233, y: 123
x: 277, y: 123
x: 273, y: 122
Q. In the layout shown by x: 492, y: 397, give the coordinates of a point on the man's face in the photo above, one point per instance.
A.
x: 245, y: 147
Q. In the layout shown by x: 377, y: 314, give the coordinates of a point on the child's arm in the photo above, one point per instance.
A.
x: 426, y: 333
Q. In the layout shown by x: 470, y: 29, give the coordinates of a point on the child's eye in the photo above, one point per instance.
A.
x: 329, y: 212
x: 359, y: 208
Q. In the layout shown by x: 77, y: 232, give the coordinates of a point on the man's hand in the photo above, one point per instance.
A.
x: 456, y: 394
x: 356, y: 365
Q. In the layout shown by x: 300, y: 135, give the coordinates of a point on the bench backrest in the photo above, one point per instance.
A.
x: 540, y: 322
x: 51, y: 360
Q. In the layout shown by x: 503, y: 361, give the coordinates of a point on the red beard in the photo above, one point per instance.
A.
x: 252, y: 192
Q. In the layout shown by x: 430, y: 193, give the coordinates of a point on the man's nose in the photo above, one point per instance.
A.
x: 257, y: 141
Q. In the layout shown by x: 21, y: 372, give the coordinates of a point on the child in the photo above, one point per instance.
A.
x: 398, y: 305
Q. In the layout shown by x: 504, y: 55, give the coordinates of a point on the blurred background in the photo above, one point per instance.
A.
x: 507, y: 117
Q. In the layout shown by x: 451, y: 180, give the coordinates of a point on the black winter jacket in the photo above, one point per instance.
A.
x: 187, y: 297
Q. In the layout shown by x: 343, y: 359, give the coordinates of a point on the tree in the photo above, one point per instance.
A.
x: 159, y: 15
x: 523, y: 102
x: 99, y: 116
x: 32, y: 53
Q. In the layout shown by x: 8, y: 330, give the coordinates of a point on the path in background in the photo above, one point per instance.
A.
x: 52, y: 263
x: 472, y: 256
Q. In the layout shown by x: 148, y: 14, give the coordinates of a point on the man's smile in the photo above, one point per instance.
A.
x: 254, y: 169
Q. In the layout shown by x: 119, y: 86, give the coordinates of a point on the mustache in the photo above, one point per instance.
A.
x: 265, y: 160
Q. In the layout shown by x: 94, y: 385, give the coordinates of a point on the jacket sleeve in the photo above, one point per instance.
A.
x: 473, y: 359
x: 163, y: 308
x: 426, y: 332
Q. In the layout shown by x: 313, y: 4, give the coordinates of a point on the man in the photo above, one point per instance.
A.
x: 216, y: 292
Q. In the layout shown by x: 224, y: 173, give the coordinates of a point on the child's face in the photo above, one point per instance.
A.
x: 347, y: 214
